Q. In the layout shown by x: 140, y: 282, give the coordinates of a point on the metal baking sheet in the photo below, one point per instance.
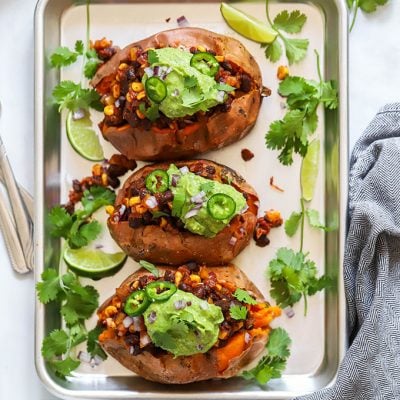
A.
x: 318, y: 339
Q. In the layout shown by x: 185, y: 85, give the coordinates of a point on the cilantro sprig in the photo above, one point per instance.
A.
x: 295, y: 48
x: 273, y: 363
x: 77, y: 303
x: 79, y: 229
x: 292, y: 133
x: 293, y: 276
x: 238, y: 312
x: 368, y: 6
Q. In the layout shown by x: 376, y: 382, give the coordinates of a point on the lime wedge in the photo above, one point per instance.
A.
x: 93, y: 264
x: 309, y: 170
x: 247, y: 26
x: 83, y: 138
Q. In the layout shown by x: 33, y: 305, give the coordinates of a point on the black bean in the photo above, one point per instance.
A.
x: 115, y: 170
x: 262, y: 241
x: 135, y: 222
x: 245, y: 83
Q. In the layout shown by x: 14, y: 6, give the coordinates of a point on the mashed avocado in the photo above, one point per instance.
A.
x: 184, y: 324
x: 188, y: 90
x: 193, y: 187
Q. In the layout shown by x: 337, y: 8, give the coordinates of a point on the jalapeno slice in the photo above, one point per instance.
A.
x: 160, y: 290
x: 136, y: 303
x: 157, y: 181
x: 206, y: 63
x: 156, y: 89
x: 221, y: 206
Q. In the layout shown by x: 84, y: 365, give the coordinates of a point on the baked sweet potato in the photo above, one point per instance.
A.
x: 137, y: 137
x: 162, y: 239
x: 239, y: 341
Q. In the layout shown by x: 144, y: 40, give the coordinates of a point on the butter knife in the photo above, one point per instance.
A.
x: 22, y: 222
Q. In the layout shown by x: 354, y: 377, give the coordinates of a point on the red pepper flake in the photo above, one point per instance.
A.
x: 271, y: 183
x: 168, y: 19
x: 247, y: 155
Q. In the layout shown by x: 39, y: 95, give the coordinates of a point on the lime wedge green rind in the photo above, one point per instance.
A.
x: 92, y: 263
x: 246, y: 25
x: 83, y: 138
x: 309, y: 170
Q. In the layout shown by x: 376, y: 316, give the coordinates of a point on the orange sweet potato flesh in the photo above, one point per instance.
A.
x: 216, y: 131
x: 168, y: 245
x: 225, y: 362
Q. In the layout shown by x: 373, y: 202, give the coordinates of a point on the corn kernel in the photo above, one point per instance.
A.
x: 129, y: 98
x: 140, y: 114
x: 203, y: 273
x: 116, y: 91
x: 137, y: 86
x: 218, y: 286
x: 141, y: 95
x: 178, y: 277
x: 109, y: 110
x: 110, y: 311
x: 104, y: 179
x: 283, y: 72
x: 110, y: 210
x: 109, y: 100
x: 163, y: 222
x: 135, y: 285
x: 201, y: 48
x: 133, y: 53
x: 123, y: 66
x: 140, y: 209
x: 96, y: 170
x: 220, y: 58
x: 223, y: 334
x: 134, y: 200
x: 110, y: 323
x: 195, y: 278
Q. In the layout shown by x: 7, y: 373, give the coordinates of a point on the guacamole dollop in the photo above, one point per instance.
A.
x: 184, y: 324
x: 188, y: 90
x: 187, y: 188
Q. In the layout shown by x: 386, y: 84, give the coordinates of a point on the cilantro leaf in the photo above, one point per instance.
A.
x: 329, y: 95
x: 370, y: 6
x: 71, y: 96
x: 63, y: 368
x: 273, y: 51
x: 55, y: 344
x: 238, y: 312
x: 60, y: 222
x: 292, y: 276
x: 314, y: 219
x: 152, y: 57
x: 224, y: 87
x: 150, y: 267
x: 62, y: 57
x: 244, y: 296
x: 272, y: 365
x: 95, y: 198
x: 190, y: 82
x: 93, y: 346
x: 292, y: 223
x: 92, y: 63
x: 296, y: 49
x: 49, y: 289
x: 79, y: 47
x: 290, y: 23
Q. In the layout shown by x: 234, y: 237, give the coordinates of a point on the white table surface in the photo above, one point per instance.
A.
x: 374, y: 81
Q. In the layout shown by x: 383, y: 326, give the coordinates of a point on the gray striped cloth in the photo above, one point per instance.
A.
x: 371, y: 366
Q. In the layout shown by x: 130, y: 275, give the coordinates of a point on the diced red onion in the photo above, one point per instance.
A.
x: 247, y: 337
x: 84, y: 357
x: 232, y: 241
x: 137, y: 323
x: 289, y: 312
x: 184, y: 170
x: 97, y: 360
x: 175, y: 179
x: 151, y: 202
x: 182, y: 21
x: 180, y: 304
x: 117, y: 103
x: 198, y: 198
x: 242, y: 230
x: 220, y: 96
x: 194, y: 211
x: 131, y: 350
x: 78, y: 114
x: 127, y: 322
x: 149, y: 71
x: 144, y: 339
x: 152, y: 317
x: 99, y: 246
x: 156, y: 70
x: 122, y: 209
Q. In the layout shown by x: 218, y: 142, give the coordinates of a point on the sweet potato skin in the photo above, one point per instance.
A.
x: 174, y: 247
x: 221, y: 129
x: 180, y: 370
